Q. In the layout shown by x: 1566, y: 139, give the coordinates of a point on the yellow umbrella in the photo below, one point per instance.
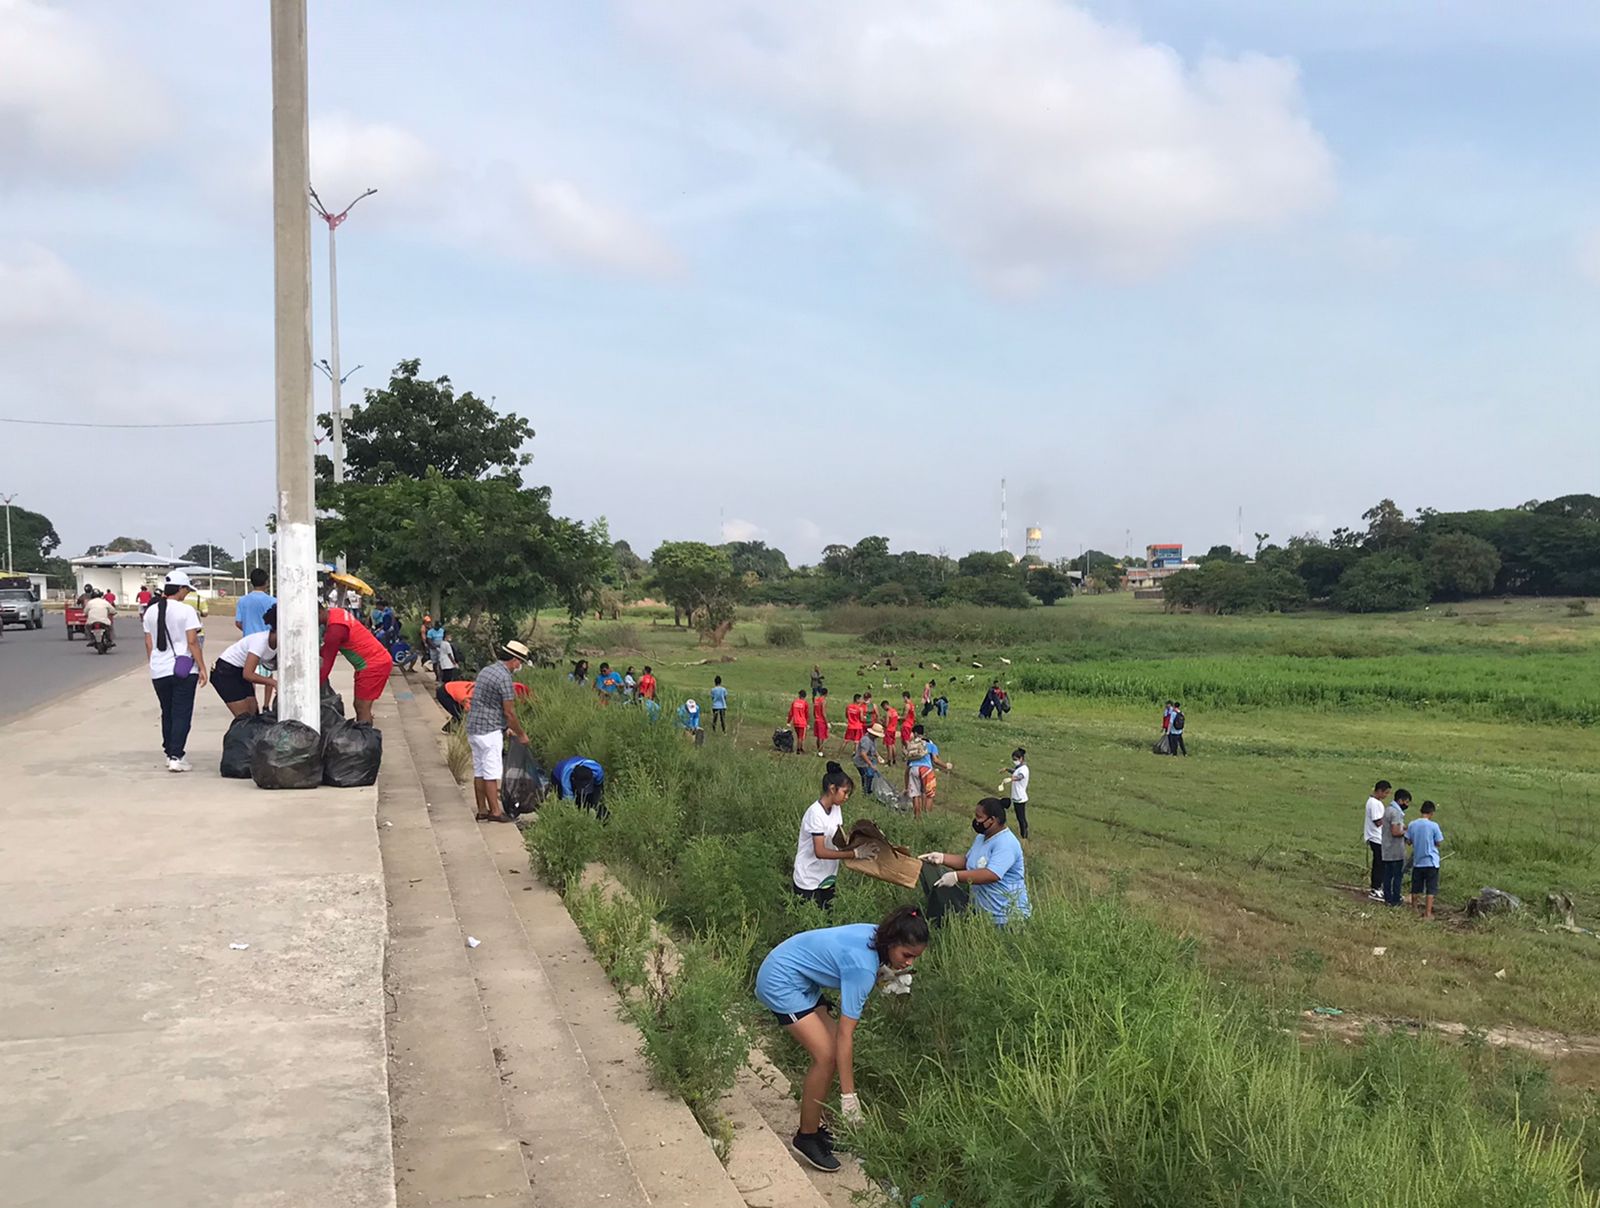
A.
x: 345, y: 579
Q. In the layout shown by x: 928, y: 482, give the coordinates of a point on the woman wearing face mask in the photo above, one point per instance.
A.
x: 790, y: 985
x: 1017, y: 781
x: 816, y: 863
x: 993, y: 865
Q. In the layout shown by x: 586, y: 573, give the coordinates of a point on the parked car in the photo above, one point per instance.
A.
x: 20, y: 605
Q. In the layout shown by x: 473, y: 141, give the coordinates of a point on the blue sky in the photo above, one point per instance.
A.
x: 812, y: 272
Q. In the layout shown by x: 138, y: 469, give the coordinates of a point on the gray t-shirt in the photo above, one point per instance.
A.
x: 1394, y: 846
x: 866, y: 751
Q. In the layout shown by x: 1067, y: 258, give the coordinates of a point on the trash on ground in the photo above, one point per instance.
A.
x: 288, y: 756
x: 1379, y: 951
x: 352, y: 753
x: 237, y: 947
x: 1329, y: 1011
x: 473, y: 941
x: 1500, y: 974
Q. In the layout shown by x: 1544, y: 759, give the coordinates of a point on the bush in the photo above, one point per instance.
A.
x: 1458, y: 565
x: 458, y: 754
x: 1579, y: 608
x: 891, y: 593
x: 618, y: 929
x: 1234, y: 587
x: 1382, y: 583
x: 786, y: 634
x: 563, y: 842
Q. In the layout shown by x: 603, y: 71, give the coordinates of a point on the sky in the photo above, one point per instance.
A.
x: 802, y: 273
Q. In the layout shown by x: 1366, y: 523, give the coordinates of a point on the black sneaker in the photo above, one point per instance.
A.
x: 810, y: 1147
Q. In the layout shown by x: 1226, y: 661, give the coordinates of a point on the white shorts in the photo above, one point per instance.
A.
x: 486, y: 748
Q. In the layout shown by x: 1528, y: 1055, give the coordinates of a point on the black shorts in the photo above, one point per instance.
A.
x: 786, y: 1018
x: 822, y: 896
x: 230, y: 683
x: 1425, y: 881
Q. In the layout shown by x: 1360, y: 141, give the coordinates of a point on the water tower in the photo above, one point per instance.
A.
x: 1035, y: 541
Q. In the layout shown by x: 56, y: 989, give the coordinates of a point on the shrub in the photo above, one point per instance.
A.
x: 695, y: 1024
x: 1459, y: 565
x: 1382, y: 583
x: 562, y: 843
x: 1579, y: 608
x: 458, y: 754
x: 618, y: 929
x: 786, y: 634
x: 890, y: 593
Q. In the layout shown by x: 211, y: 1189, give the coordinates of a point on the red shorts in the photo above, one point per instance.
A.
x: 888, y: 739
x: 370, y: 681
x: 822, y: 731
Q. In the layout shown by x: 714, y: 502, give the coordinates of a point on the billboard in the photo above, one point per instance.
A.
x: 1163, y: 555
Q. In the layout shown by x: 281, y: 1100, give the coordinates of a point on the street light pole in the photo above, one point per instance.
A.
x: 10, y: 566
x: 297, y: 523
x: 334, y: 220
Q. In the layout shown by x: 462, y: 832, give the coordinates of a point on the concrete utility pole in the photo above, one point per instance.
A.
x: 10, y: 566
x: 334, y: 220
x: 297, y: 523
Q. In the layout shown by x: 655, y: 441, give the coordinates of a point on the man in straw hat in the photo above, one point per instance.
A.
x: 866, y: 756
x: 493, y: 712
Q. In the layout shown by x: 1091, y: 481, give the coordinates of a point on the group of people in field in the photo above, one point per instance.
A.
x: 1390, y: 837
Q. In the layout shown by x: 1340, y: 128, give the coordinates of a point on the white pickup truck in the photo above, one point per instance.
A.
x: 19, y: 604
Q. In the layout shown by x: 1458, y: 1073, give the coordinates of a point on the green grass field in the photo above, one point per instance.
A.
x: 1251, y: 847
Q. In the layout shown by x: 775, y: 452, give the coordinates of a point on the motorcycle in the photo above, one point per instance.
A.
x: 100, y: 637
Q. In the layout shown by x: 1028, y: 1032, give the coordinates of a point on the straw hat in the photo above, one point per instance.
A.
x: 875, y: 730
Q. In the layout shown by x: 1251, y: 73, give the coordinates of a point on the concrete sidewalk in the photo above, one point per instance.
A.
x: 143, y: 1062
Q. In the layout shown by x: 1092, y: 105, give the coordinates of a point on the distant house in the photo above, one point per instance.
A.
x: 123, y: 574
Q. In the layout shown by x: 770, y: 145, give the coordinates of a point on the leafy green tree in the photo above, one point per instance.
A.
x: 1224, y: 586
x: 34, y: 540
x: 1387, y: 582
x: 890, y: 593
x: 1322, y: 566
x: 414, y: 425
x: 1047, y: 584
x: 699, y: 581
x: 991, y: 590
x: 1387, y: 527
x: 980, y: 563
x: 1219, y: 553
x: 205, y: 554
x: 1459, y: 565
x: 488, y: 550
x: 129, y: 545
x: 757, y: 558
x: 924, y: 575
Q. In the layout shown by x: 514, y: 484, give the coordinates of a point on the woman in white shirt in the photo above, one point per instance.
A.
x: 1017, y: 779
x: 238, y: 668
x: 177, y: 666
x: 816, y: 863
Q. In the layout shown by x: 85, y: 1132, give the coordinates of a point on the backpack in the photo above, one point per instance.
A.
x: 916, y: 748
x: 1177, y: 722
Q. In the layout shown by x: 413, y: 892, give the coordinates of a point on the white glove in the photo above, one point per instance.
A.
x: 932, y: 857
x: 850, y: 1108
x: 1001, y: 787
x: 946, y: 881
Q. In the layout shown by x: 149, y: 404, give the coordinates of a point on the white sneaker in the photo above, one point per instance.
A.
x: 175, y: 765
x: 1375, y: 894
x: 184, y: 765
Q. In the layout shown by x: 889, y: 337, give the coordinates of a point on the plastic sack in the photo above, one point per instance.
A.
x: 332, y: 707
x: 783, y: 740
x: 522, y: 781
x: 240, y: 741
x: 288, y: 756
x: 1162, y: 746
x: 352, y: 753
x: 886, y: 792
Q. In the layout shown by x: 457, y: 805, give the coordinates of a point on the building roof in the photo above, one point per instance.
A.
x: 125, y: 559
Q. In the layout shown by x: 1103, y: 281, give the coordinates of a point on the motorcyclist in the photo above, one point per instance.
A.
x: 97, y: 610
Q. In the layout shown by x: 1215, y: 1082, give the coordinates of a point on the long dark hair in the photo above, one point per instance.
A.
x: 835, y: 777
x: 167, y: 592
x: 994, y: 807
x: 902, y: 927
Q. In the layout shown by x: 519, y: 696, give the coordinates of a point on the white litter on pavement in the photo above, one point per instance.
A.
x: 473, y: 941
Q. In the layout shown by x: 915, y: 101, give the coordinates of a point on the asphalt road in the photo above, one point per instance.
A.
x: 38, y: 665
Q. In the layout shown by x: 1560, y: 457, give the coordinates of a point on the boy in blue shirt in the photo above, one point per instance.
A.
x: 1424, y: 837
x: 608, y: 684
x: 719, y: 706
x: 253, y: 605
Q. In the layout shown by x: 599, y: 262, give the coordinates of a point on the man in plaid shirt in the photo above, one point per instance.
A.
x: 493, y: 712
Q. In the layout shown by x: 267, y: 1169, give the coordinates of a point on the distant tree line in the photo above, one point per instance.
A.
x: 1397, y: 563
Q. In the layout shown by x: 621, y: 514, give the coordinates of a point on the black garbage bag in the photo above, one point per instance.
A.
x: 352, y: 753
x: 288, y: 756
x: 523, y: 782
x: 783, y: 740
x: 241, y: 740
x: 1162, y: 745
x: 332, y: 708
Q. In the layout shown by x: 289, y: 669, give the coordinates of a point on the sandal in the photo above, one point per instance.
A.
x: 482, y: 817
x: 498, y: 818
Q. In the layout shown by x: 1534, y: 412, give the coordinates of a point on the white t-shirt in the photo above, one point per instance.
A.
x: 809, y: 871
x: 1373, y: 832
x: 182, y: 619
x: 1019, y: 783
x: 252, y: 643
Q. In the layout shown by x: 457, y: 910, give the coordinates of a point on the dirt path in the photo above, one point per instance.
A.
x: 1552, y: 1046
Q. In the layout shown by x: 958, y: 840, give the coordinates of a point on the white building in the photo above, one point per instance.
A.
x: 123, y: 574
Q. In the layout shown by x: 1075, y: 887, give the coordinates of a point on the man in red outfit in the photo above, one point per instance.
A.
x: 797, y: 720
x: 343, y: 634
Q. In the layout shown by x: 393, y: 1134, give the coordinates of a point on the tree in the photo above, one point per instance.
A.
x: 991, y: 590
x: 1389, y: 582
x: 1261, y: 539
x: 414, y: 425
x: 699, y: 581
x: 487, y: 550
x: 1224, y: 586
x: 129, y: 545
x: 204, y: 554
x: 1458, y: 565
x: 980, y: 563
x: 1322, y: 566
x: 1047, y: 584
x: 1387, y: 527
x: 34, y: 540
x: 757, y: 558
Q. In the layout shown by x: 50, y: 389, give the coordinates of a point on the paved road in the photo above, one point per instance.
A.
x: 38, y: 665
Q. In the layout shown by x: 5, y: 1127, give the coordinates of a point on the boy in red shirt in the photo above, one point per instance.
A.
x: 820, y: 717
x: 908, y: 718
x: 891, y: 730
x: 854, y: 727
x: 797, y: 721
x: 647, y: 685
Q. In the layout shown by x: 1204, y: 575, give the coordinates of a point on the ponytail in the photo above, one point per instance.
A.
x: 902, y: 927
x: 162, y: 640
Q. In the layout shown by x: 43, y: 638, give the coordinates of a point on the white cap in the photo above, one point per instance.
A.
x: 177, y: 578
x: 691, y: 706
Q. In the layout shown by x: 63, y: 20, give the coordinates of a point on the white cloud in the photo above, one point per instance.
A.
x: 349, y: 156
x: 1036, y: 137
x: 69, y: 104
x: 742, y: 530
x: 571, y: 225
x: 48, y: 310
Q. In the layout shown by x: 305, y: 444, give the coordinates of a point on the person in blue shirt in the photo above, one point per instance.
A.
x: 608, y: 684
x: 1424, y: 837
x: 790, y: 985
x: 993, y: 865
x: 253, y: 605
x: 581, y: 781
x: 719, y: 705
x: 921, y: 783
